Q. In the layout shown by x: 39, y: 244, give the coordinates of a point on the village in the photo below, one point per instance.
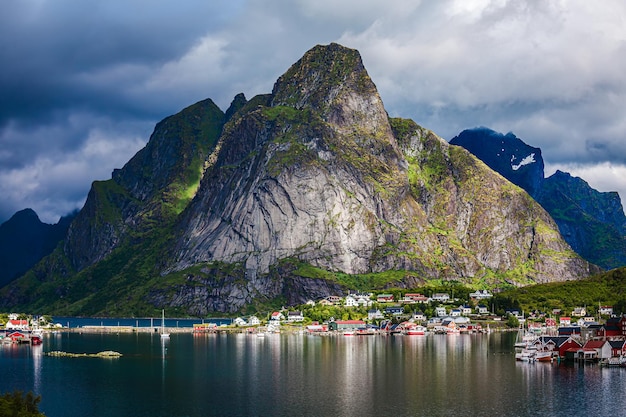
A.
x: 541, y: 337
x: 572, y: 337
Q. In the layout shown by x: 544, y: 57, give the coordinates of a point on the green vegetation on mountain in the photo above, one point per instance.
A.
x: 607, y: 288
x: 307, y: 192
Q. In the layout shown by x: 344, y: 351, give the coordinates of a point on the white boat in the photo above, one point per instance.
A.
x: 416, y: 331
x: 530, y: 354
x: 526, y: 355
x: 164, y: 335
x: 524, y: 338
x: 543, y: 356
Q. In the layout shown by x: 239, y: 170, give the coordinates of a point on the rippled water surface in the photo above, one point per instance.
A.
x: 301, y: 375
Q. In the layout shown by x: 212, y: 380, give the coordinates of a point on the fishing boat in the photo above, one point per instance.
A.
x: 416, y: 331
x: 164, y: 334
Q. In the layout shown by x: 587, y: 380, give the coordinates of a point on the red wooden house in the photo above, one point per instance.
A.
x: 558, y: 344
x: 618, y: 347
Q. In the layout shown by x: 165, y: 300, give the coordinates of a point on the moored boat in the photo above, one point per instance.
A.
x: 416, y: 331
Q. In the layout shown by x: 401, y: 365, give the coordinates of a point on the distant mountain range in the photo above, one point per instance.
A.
x: 307, y: 191
x: 592, y: 222
x: 25, y: 240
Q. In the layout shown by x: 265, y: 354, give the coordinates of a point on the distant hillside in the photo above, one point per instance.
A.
x: 24, y: 240
x: 592, y: 222
x: 607, y: 288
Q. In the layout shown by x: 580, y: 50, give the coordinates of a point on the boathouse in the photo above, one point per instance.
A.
x: 346, y: 325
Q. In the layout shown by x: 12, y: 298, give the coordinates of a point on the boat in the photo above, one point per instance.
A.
x: 524, y: 338
x: 531, y: 354
x: 416, y: 331
x: 164, y: 334
x: 525, y: 355
x: 349, y: 332
x: 543, y: 356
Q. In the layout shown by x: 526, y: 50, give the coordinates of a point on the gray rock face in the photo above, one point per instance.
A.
x: 320, y: 176
x: 320, y: 209
x: 278, y: 198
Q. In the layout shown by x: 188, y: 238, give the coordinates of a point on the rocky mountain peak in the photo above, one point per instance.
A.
x: 331, y: 80
x: 296, y: 195
x: 516, y: 161
x: 592, y: 222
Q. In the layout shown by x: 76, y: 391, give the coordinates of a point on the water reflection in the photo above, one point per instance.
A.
x: 283, y: 375
x: 37, y: 354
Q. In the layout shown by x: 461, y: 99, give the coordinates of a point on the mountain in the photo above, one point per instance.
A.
x: 592, y: 222
x: 506, y: 154
x: 308, y: 191
x: 24, y: 240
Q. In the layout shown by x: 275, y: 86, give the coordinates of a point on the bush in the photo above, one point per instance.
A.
x: 17, y: 404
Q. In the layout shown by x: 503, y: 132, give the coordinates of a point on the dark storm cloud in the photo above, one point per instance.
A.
x: 82, y: 83
x: 48, y: 47
x: 67, y: 112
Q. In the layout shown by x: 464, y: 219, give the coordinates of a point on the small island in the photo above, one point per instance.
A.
x: 104, y: 354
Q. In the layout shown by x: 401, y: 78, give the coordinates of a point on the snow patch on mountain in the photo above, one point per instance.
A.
x: 528, y: 160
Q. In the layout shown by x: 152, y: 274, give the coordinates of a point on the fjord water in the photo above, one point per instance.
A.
x: 301, y: 375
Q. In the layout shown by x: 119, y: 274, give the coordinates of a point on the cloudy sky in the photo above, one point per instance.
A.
x: 82, y: 83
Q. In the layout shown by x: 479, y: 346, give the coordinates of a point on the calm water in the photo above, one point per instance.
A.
x: 300, y: 375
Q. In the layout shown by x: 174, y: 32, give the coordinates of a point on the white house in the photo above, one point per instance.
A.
x: 606, y: 310
x: 364, y: 300
x: 481, y: 295
x: 466, y: 310
x: 441, y: 297
x: 455, y: 312
x: 419, y: 316
x: 350, y: 301
x: 254, y: 321
x: 482, y: 309
x: 374, y: 314
x: 441, y: 311
x: 240, y: 322
x: 295, y: 316
x: 579, y: 312
x: 15, y: 324
x: 565, y: 321
x: 603, y: 347
x: 277, y: 316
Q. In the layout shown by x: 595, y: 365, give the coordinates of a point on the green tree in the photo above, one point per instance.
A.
x: 16, y: 404
x: 512, y: 321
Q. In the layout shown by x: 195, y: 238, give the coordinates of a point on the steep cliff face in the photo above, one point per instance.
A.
x: 306, y: 176
x: 592, y: 223
x: 150, y: 190
x: 318, y: 175
x: 305, y: 192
